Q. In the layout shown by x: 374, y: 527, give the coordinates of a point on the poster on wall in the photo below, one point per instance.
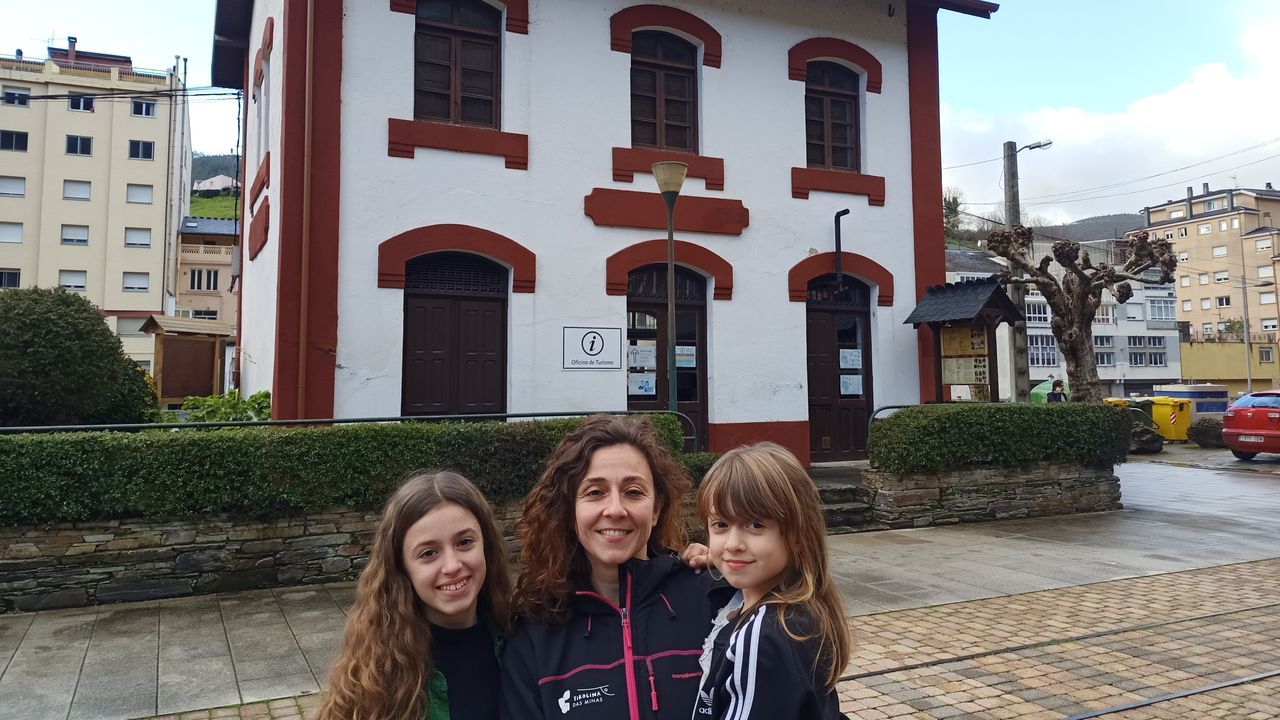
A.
x: 850, y: 358
x: 643, y: 355
x: 642, y: 383
x: 964, y: 371
x: 964, y: 341
x: 850, y: 385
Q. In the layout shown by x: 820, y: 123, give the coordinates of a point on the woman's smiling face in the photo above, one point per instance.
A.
x: 615, y: 507
x: 443, y: 554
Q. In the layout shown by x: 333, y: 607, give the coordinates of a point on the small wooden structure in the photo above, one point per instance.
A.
x: 189, y: 356
x: 964, y: 317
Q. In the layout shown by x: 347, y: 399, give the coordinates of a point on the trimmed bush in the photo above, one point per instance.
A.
x: 265, y: 472
x: 1206, y: 432
x: 932, y: 438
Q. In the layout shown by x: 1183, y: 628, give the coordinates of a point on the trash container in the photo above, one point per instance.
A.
x: 1172, y: 417
x: 1143, y: 406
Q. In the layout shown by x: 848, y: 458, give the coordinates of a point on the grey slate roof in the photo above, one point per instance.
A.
x: 1264, y: 230
x: 962, y: 301
x: 971, y: 261
x: 209, y: 226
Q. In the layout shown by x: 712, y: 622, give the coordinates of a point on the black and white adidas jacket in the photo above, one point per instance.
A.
x: 759, y: 672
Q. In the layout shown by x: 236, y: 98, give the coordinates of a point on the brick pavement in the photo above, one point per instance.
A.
x: 1049, y: 654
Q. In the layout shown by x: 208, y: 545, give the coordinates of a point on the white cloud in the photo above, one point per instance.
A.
x: 1210, y: 113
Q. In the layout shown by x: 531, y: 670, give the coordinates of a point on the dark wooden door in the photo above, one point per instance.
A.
x: 455, y: 330
x: 647, y: 335
x: 839, y: 369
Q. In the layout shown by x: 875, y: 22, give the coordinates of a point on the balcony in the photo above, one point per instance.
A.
x: 204, y: 254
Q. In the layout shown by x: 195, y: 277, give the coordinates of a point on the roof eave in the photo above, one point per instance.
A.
x: 976, y: 8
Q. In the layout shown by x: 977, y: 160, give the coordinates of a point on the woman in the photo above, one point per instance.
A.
x: 611, y: 623
x: 425, y: 633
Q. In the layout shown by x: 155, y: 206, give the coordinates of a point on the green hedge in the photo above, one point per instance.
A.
x: 266, y: 472
x: 930, y: 438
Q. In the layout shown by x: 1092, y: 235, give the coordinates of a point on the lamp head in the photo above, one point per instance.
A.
x: 670, y: 175
x: 1040, y: 144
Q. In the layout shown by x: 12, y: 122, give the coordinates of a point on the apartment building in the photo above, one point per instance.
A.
x: 1226, y: 242
x: 95, y: 162
x: 206, y: 248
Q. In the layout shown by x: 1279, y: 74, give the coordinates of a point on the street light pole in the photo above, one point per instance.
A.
x: 670, y: 176
x: 1013, y: 217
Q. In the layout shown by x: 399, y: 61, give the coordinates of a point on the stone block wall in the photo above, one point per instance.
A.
x: 975, y: 495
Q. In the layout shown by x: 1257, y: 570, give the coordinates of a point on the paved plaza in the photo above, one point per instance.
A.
x: 1040, y: 618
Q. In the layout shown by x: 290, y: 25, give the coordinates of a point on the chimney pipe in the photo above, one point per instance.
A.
x: 1190, y: 191
x: 71, y: 48
x: 19, y: 54
x: 1206, y: 188
x: 1269, y: 186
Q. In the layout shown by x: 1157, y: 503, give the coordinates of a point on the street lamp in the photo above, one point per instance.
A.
x: 670, y: 176
x: 1248, y: 352
x: 1012, y: 217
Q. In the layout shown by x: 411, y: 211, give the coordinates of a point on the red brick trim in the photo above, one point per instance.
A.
x: 394, y: 252
x: 258, y: 228
x: 820, y: 48
x: 629, y: 161
x: 268, y: 36
x: 804, y: 180
x: 926, y: 174
x: 628, y: 208
x: 790, y: 434
x: 264, y: 52
x: 689, y: 254
x: 403, y: 136
x: 517, y: 13
x: 261, y: 179
x: 259, y: 72
x: 850, y: 263
x: 639, y: 17
x: 130, y: 313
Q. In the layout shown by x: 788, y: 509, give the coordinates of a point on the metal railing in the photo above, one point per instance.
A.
x: 685, y: 424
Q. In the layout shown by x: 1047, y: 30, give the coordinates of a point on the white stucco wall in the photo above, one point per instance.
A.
x: 569, y: 92
x: 258, y: 279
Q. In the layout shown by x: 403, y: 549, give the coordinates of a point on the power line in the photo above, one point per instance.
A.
x: 979, y: 162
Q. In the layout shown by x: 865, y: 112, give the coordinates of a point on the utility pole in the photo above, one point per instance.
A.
x: 1018, y: 291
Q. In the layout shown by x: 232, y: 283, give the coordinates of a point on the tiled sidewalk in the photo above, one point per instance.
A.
x: 1146, y: 637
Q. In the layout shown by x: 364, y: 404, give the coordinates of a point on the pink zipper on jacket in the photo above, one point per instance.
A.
x: 628, y: 650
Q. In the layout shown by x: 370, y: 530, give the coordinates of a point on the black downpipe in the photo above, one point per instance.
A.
x: 839, y: 273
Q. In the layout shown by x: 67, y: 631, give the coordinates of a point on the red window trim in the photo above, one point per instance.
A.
x: 264, y: 52
x: 850, y: 263
x: 517, y: 13
x: 619, y: 264
x: 805, y: 179
x: 258, y: 228
x: 404, y: 136
x: 394, y: 252
x: 629, y: 161
x: 261, y: 179
x: 641, y: 17
x: 632, y: 209
x: 823, y: 48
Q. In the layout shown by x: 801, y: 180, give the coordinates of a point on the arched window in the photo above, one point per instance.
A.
x: 457, y: 62
x: 831, y: 117
x: 663, y: 92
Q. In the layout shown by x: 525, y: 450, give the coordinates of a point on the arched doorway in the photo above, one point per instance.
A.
x: 647, y: 334
x: 838, y: 322
x: 455, y: 335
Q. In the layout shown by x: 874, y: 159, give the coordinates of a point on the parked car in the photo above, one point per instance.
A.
x: 1252, y: 425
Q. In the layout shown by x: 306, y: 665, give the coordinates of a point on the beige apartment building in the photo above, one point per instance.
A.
x: 95, y: 162
x: 1226, y: 241
x: 206, y: 249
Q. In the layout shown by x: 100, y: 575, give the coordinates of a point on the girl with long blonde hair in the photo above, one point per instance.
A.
x: 777, y: 649
x: 426, y: 631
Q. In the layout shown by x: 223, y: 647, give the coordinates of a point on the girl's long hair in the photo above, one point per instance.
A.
x: 382, y: 669
x: 765, y: 482
x: 551, y: 556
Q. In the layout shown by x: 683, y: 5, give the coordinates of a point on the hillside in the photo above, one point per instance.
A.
x: 1097, y: 227
x: 204, y: 167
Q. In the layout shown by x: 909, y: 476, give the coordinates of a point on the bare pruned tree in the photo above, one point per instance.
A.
x: 1074, y: 299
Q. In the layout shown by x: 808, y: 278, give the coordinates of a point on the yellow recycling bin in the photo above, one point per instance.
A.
x: 1172, y: 417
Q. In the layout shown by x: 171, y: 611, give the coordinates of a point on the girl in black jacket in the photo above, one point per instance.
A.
x: 778, y: 652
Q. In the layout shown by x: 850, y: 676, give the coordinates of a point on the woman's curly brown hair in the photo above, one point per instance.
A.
x: 552, y: 560
x: 382, y: 669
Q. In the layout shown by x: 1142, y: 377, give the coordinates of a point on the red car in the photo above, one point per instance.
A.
x: 1252, y: 425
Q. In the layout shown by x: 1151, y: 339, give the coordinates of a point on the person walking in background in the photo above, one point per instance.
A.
x: 1057, y: 393
x: 609, y: 622
x: 424, y: 636
x: 778, y: 648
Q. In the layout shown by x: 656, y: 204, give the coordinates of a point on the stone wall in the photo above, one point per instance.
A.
x: 974, y: 495
x: 73, y: 564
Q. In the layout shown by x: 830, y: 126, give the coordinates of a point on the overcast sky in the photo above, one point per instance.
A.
x: 1126, y: 89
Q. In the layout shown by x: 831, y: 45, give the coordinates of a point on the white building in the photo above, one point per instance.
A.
x: 456, y: 193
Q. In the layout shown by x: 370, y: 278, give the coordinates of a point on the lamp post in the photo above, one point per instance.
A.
x: 1248, y: 351
x: 1012, y: 217
x: 670, y: 176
